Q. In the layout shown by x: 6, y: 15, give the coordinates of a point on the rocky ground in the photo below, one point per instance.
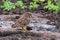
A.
x: 44, y: 24
x: 40, y: 29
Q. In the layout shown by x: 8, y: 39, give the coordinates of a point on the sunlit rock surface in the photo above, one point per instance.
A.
x: 40, y: 26
x: 6, y: 25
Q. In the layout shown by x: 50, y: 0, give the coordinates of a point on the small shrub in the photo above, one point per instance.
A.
x: 51, y: 6
x: 41, y: 0
x: 4, y: 0
x: 33, y: 5
x: 58, y: 3
x: 20, y: 4
x: 38, y: 1
x: 8, y: 6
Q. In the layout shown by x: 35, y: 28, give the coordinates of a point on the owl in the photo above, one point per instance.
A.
x: 23, y: 21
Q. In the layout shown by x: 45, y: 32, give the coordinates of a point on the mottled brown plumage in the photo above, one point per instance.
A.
x: 22, y: 21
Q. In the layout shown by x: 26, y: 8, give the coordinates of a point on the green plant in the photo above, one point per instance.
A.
x: 41, y: 0
x: 33, y: 5
x: 4, y: 0
x: 20, y: 4
x: 58, y: 3
x: 8, y: 6
x: 51, y: 6
x: 38, y: 1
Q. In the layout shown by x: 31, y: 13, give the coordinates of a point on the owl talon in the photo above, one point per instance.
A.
x: 24, y: 28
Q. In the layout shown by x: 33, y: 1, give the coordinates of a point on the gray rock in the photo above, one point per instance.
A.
x: 40, y: 26
x: 6, y: 24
